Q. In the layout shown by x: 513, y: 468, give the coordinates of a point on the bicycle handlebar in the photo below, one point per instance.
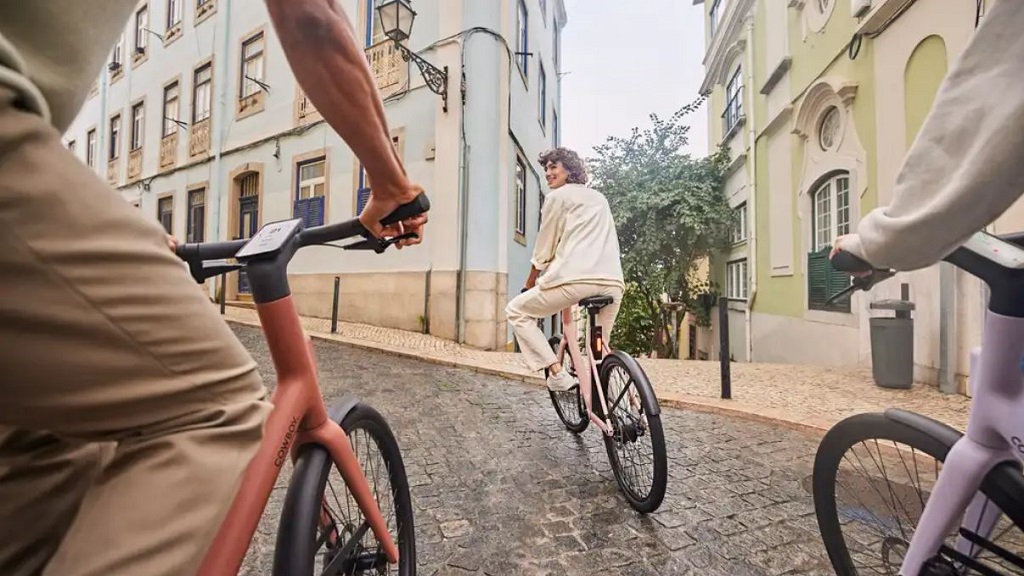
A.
x: 196, y: 253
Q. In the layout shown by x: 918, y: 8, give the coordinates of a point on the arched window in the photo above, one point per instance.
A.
x: 831, y: 210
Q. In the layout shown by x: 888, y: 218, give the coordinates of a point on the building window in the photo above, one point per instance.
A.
x: 141, y: 33
x: 714, y: 15
x: 90, y: 147
x: 542, y: 79
x: 174, y: 12
x: 830, y: 215
x: 520, y: 196
x: 201, y: 93
x: 115, y: 56
x: 138, y: 125
x: 733, y: 101
x: 171, y: 109
x: 165, y: 212
x: 115, y: 137
x: 310, y: 191
x: 252, y: 66
x: 828, y: 129
x: 831, y: 211
x: 195, y: 225
x: 523, y: 37
x: 739, y: 224
x: 736, y: 280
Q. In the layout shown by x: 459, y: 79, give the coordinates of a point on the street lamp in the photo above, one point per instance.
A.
x: 396, y: 18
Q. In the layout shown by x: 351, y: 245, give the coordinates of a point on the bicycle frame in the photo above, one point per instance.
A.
x: 299, y: 417
x: 993, y: 435
x: 994, y: 429
x: 569, y: 334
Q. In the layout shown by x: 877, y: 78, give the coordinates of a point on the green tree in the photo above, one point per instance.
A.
x: 671, y: 213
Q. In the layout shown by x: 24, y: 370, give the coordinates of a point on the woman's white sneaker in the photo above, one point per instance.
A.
x: 561, y: 382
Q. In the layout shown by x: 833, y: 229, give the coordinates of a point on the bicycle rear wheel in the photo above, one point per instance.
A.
x: 872, y: 479
x: 569, y: 405
x: 320, y: 527
x: 636, y: 449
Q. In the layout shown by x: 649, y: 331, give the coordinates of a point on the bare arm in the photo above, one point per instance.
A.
x: 329, y: 63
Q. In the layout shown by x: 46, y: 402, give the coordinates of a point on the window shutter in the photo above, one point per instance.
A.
x: 362, y: 197
x: 316, y: 211
x: 837, y: 282
x: 301, y: 210
x: 824, y: 281
x: 818, y: 279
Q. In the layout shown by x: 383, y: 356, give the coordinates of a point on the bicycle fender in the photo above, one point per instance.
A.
x: 649, y: 399
x: 341, y: 408
x: 1003, y: 483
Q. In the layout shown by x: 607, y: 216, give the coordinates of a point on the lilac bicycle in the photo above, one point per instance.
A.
x: 876, y: 513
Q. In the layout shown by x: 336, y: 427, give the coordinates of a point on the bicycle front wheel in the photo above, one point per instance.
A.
x: 322, y: 529
x: 872, y: 479
x: 636, y: 448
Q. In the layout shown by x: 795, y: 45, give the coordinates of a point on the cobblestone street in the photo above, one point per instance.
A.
x: 500, y: 487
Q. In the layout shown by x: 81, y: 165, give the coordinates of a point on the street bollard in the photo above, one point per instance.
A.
x: 334, y: 306
x: 723, y: 330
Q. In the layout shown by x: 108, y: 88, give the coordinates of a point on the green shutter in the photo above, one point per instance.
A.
x: 823, y: 282
x: 817, y: 280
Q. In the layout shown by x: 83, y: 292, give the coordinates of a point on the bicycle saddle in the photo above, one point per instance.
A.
x: 596, y: 302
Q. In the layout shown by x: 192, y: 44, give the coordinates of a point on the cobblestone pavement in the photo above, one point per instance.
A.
x: 500, y: 487
x: 805, y: 396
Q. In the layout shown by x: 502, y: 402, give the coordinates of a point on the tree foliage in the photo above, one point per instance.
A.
x: 671, y: 213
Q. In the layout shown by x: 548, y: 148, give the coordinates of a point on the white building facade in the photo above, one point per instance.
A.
x: 198, y: 121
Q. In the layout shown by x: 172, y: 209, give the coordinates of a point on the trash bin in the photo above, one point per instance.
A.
x: 892, y: 344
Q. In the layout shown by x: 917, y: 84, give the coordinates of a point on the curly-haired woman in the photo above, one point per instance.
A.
x: 577, y: 250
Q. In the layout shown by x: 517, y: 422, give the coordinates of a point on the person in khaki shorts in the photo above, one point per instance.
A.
x: 128, y: 409
x: 577, y: 250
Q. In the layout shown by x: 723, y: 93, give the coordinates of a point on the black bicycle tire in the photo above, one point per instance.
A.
x: 574, y: 427
x: 834, y: 445
x: 656, y: 431
x: 293, y: 554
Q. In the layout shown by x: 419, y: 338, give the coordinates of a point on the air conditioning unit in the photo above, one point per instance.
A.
x: 859, y: 7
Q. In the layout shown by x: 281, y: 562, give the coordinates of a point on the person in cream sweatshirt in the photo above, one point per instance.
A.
x: 577, y: 250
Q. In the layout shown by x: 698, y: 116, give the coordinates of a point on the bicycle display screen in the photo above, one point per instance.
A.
x: 270, y: 238
x: 996, y: 249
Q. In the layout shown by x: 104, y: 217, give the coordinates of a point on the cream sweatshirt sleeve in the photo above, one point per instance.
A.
x: 966, y: 166
x: 552, y: 223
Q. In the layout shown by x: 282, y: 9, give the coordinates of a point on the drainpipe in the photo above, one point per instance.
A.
x: 752, y: 196
x: 218, y: 136
x: 101, y: 132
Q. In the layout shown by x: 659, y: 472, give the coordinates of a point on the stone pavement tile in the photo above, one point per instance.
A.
x: 809, y: 397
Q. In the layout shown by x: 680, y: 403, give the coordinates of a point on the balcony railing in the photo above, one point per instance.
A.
x: 113, y: 170
x: 199, y: 138
x: 389, y: 69
x: 134, y: 164
x: 169, y: 151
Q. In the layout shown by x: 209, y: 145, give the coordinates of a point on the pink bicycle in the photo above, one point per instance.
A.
x: 627, y: 413
x: 314, y: 521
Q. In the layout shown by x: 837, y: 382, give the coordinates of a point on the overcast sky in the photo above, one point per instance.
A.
x: 623, y: 60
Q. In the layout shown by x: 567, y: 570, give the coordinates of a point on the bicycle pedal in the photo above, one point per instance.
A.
x: 939, y: 566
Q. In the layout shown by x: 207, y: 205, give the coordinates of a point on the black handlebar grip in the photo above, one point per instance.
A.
x: 850, y: 263
x: 417, y: 206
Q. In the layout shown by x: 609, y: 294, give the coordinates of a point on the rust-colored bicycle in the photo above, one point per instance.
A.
x: 302, y: 428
